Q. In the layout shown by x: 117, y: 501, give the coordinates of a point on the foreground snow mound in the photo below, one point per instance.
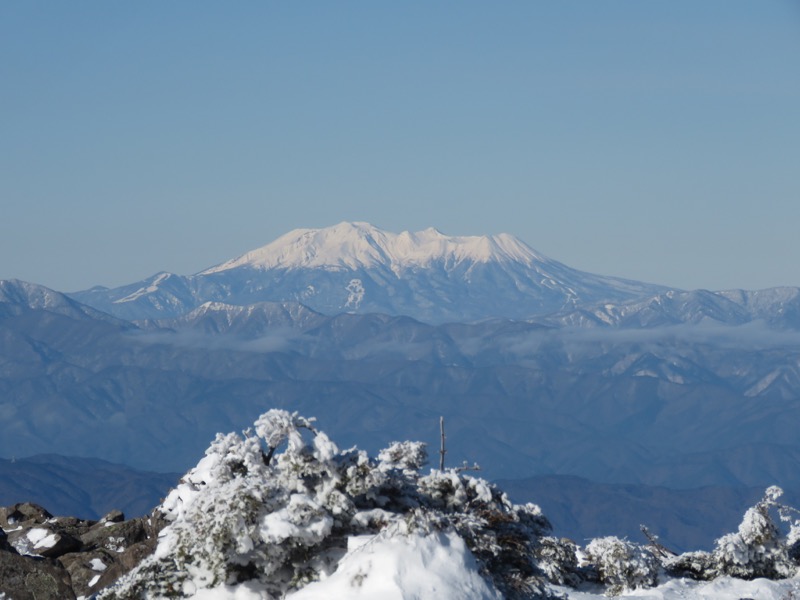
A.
x: 251, y: 522
x: 409, y: 567
x: 724, y: 588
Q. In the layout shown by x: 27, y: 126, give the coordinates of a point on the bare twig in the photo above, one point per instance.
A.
x: 467, y: 467
x: 658, y: 547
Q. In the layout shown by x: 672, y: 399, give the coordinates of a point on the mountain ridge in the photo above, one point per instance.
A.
x: 356, y: 267
x: 651, y: 396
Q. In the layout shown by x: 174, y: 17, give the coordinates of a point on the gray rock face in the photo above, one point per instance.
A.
x: 23, y: 513
x: 58, y: 558
x: 115, y: 536
x: 26, y: 578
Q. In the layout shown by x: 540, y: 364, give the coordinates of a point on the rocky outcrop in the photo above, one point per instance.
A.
x: 31, y: 578
x: 43, y: 557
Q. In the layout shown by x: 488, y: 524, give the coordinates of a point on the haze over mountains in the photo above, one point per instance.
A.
x: 538, y: 368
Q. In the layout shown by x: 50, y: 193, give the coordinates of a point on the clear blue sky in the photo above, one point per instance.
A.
x: 652, y: 140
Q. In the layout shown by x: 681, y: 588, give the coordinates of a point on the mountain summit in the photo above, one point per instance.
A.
x: 356, y: 267
x: 362, y: 246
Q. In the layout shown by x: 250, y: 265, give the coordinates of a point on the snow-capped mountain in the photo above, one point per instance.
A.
x: 362, y: 246
x: 355, y: 267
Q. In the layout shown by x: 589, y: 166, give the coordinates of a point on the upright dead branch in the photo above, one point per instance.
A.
x: 442, y: 450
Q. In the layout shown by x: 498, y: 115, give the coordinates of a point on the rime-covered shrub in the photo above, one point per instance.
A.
x: 406, y: 456
x: 756, y: 549
x: 698, y: 565
x: 558, y: 559
x: 249, y: 514
x: 241, y: 514
x: 504, y: 537
x: 791, y: 516
x: 622, y: 565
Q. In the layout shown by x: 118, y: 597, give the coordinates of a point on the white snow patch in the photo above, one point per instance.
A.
x: 355, y: 293
x: 763, y: 384
x: 153, y: 287
x: 724, y: 588
x: 645, y: 373
x: 116, y: 544
x: 245, y: 591
x: 94, y: 580
x: 41, y: 538
x: 97, y: 565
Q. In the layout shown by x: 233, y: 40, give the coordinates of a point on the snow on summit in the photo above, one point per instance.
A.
x: 361, y: 245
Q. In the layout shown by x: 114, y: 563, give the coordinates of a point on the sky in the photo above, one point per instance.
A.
x: 657, y: 141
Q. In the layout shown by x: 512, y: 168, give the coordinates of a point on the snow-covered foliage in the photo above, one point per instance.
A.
x: 757, y: 549
x: 281, y: 512
x: 507, y: 539
x: 406, y: 456
x: 253, y: 518
x: 622, y: 565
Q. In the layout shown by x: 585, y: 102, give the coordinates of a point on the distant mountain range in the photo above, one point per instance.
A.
x: 538, y: 369
x: 358, y: 268
x: 87, y: 488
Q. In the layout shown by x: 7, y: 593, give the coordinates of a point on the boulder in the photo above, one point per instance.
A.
x: 135, y: 553
x: 24, y: 513
x: 71, y: 525
x: 115, y: 516
x: 43, y: 540
x: 26, y: 578
x: 126, y: 562
x: 116, y: 537
x: 88, y: 570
